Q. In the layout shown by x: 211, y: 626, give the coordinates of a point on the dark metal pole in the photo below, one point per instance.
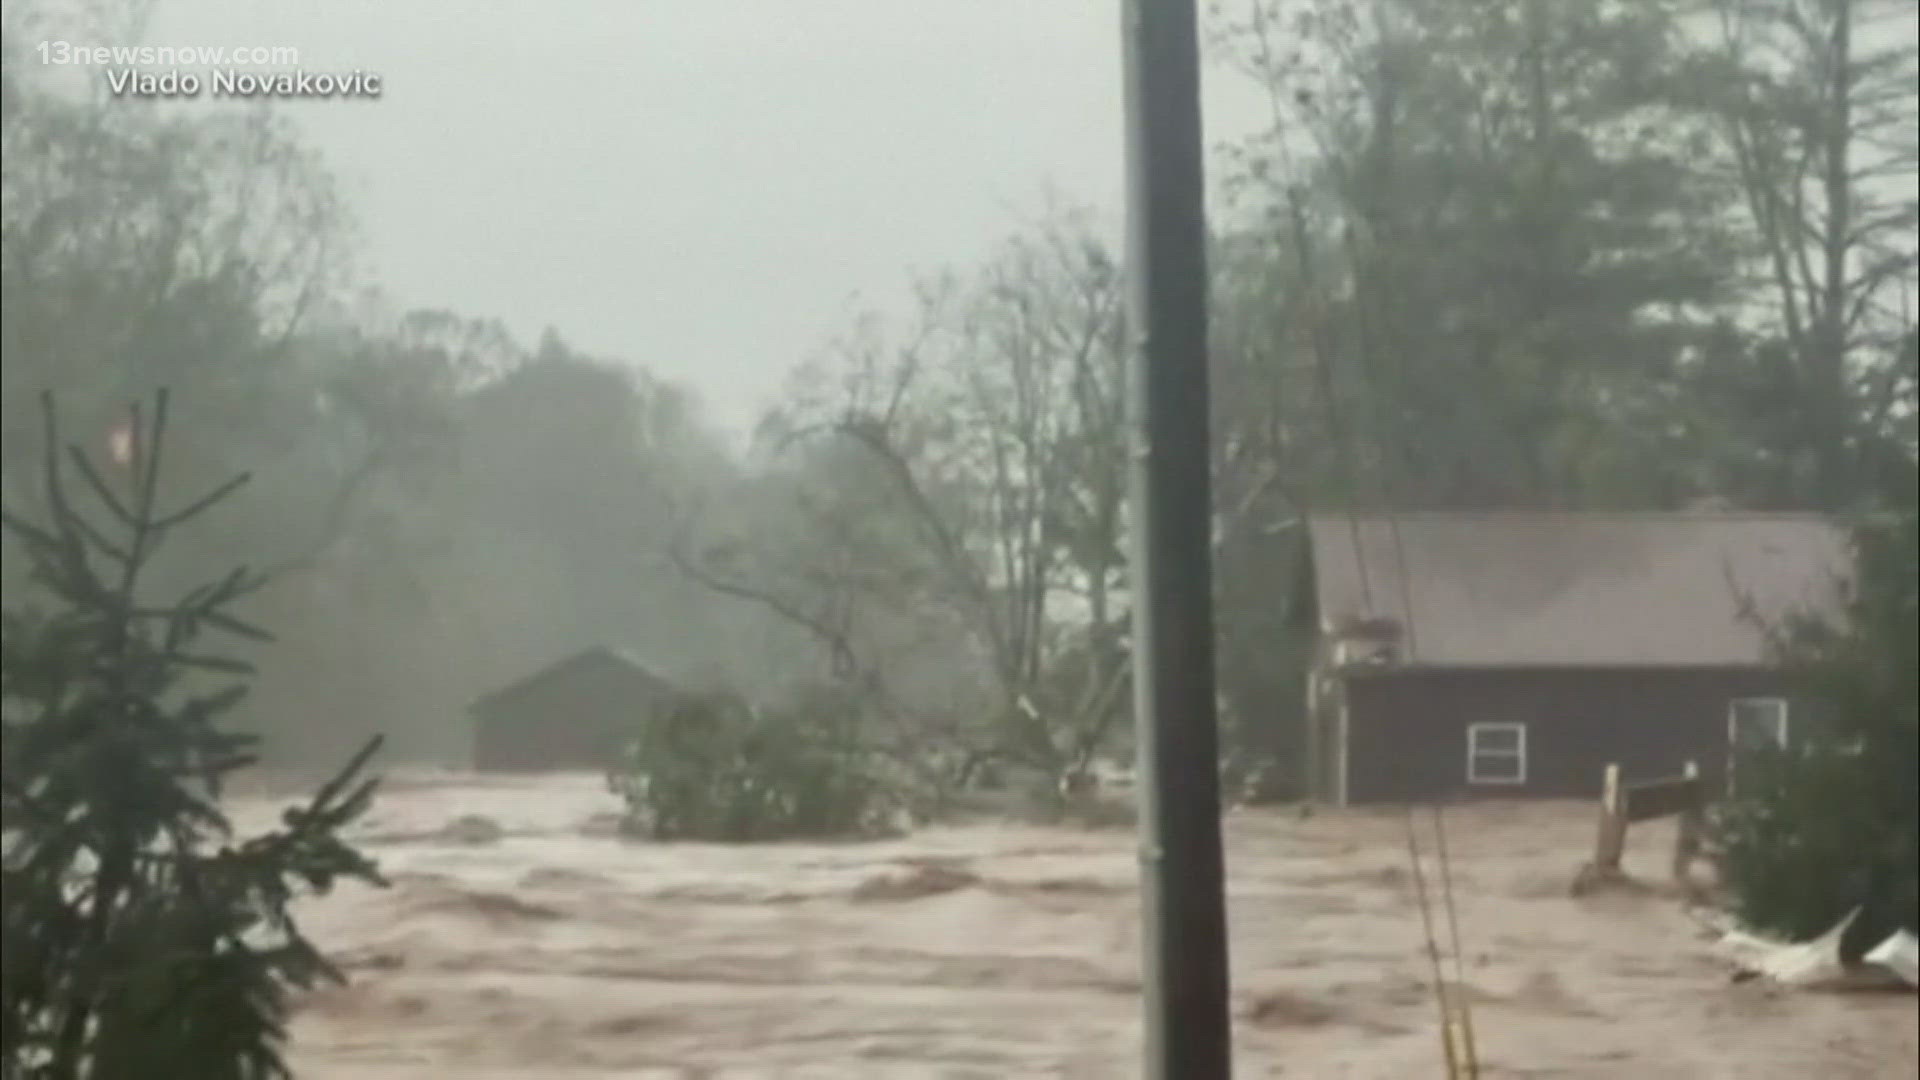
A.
x: 1183, y: 908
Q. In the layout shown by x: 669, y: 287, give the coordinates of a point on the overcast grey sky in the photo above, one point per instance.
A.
x: 704, y: 187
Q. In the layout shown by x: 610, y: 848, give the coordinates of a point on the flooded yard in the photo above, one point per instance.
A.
x: 549, y: 948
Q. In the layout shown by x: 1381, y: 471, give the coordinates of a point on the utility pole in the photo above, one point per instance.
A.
x: 1183, y: 906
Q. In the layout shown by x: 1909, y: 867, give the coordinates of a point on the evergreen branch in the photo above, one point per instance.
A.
x: 236, y: 626
x: 200, y: 504
x: 127, y: 950
x: 99, y: 485
x: 213, y: 663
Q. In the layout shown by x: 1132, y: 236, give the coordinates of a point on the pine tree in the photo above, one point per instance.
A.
x: 141, y: 938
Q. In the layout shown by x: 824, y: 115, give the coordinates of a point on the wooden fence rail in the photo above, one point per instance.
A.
x: 1621, y: 805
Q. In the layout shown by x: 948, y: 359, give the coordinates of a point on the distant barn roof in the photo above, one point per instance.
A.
x: 599, y: 656
x: 1573, y: 589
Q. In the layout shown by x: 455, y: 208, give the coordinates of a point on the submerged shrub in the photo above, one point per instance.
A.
x: 713, y: 767
x: 1833, y: 822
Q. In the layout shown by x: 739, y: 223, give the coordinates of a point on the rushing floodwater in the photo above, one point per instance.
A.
x: 552, y: 949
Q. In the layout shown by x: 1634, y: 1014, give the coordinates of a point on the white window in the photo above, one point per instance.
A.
x: 1756, y: 722
x: 1497, y: 753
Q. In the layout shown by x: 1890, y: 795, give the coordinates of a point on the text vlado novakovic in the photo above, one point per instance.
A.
x: 228, y: 83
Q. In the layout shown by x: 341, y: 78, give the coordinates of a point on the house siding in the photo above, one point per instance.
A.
x: 1407, y: 730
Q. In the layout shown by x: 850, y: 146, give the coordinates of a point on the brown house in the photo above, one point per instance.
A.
x: 1517, y: 654
x: 572, y: 715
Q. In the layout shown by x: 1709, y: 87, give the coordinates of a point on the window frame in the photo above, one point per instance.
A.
x: 1783, y: 716
x: 1517, y: 755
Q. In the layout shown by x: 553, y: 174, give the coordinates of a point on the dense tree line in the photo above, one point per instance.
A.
x: 1494, y: 255
x: 437, y: 506
x: 1514, y: 254
x: 1497, y: 254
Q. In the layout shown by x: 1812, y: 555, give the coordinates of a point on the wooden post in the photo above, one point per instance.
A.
x: 1693, y: 821
x: 1612, y: 841
x: 1620, y: 806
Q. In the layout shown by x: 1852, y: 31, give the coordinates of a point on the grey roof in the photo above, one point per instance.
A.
x: 1575, y: 589
x: 571, y: 666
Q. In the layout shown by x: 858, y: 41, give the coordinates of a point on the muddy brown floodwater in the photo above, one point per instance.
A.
x: 548, y: 948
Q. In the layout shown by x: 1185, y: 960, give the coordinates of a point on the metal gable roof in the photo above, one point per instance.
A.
x: 1574, y: 589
